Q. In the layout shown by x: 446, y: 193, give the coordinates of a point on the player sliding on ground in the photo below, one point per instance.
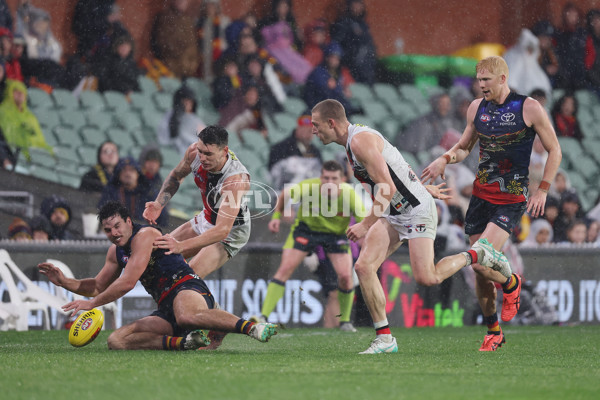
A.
x: 185, y: 305
x: 403, y: 210
x: 317, y: 198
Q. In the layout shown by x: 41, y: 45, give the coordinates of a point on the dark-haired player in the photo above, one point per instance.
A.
x: 223, y: 228
x: 185, y: 304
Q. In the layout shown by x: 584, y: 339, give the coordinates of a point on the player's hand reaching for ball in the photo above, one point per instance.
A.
x: 152, y: 211
x: 78, y: 305
x: 53, y: 274
x: 433, y: 170
x: 170, y: 243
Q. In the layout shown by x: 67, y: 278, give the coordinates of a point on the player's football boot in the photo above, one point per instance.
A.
x: 347, y: 327
x: 492, y: 258
x: 195, y: 340
x: 379, y: 345
x: 492, y: 342
x: 511, y: 302
x: 263, y: 331
x: 216, y: 338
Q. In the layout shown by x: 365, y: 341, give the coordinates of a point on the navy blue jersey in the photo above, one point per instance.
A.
x: 163, y: 272
x: 505, y: 143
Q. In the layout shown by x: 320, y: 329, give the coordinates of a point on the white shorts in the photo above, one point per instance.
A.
x: 237, y: 238
x: 420, y: 222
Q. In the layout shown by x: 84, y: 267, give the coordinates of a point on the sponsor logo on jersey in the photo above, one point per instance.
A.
x: 508, y: 117
x: 302, y: 240
x: 504, y: 218
x: 420, y: 228
x: 125, y: 259
x: 485, y: 118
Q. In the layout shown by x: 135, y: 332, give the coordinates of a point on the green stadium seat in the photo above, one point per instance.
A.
x: 171, y: 156
x: 69, y: 179
x: 390, y: 127
x: 139, y: 137
x: 39, y: 99
x: 376, y: 111
x: 45, y: 173
x: 91, y: 100
x: 162, y: 101
x: 122, y: 138
x: 411, y: 93
x: 361, y: 92
x: 147, y: 85
x: 100, y: 120
x: 169, y: 84
x: 586, y: 99
x: 116, y: 101
x: 93, y: 137
x: 72, y: 118
x: 411, y: 160
x: 88, y: 154
x: 592, y: 147
x: 67, y: 136
x: 587, y: 167
x: 405, y: 112
x: 295, y: 106
x: 199, y: 87
x: 64, y: 99
x: 128, y: 120
x: 41, y: 158
x: 387, y: 94
x: 47, y: 118
x: 152, y: 119
x: 285, y: 122
x: 141, y: 101
x: 67, y: 153
x: 571, y: 148
x: 208, y: 115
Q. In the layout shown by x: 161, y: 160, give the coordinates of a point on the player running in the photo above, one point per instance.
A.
x: 216, y: 235
x: 403, y: 210
x: 326, y: 205
x: 505, y: 123
x: 185, y: 303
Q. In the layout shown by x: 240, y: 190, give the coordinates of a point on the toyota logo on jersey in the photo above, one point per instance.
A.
x: 507, y: 117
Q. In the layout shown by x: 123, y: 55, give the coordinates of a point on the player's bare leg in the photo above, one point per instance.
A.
x: 209, y: 259
x: 144, y: 334
x: 184, y: 232
x: 342, y: 264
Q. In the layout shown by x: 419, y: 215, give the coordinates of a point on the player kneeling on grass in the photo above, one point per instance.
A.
x: 185, y: 305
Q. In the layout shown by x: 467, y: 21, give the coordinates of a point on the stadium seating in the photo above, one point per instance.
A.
x: 147, y: 85
x: 116, y: 101
x: 64, y: 99
x: 67, y: 136
x: 169, y: 84
x: 295, y: 106
x: 39, y: 99
x: 72, y: 118
x: 91, y: 100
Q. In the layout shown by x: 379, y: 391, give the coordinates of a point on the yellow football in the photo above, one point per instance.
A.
x: 86, y: 327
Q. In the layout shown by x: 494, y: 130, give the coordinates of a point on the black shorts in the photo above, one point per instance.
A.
x: 303, y: 238
x: 481, y: 212
x: 165, y: 309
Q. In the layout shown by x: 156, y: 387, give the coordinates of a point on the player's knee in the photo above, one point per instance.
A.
x: 362, y: 269
x: 428, y: 280
x: 115, y: 341
x: 345, y: 281
x: 188, y: 322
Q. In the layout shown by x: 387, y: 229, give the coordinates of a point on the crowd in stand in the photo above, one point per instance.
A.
x: 252, y: 66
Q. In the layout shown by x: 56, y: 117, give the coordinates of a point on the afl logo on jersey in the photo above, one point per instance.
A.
x: 507, y: 117
x: 485, y: 118
x: 504, y: 218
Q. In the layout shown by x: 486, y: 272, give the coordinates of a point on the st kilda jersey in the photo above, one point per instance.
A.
x: 211, y: 186
x: 505, y: 143
x: 410, y: 192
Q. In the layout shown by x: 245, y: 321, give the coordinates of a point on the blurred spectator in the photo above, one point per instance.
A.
x: 540, y: 233
x: 592, y: 51
x: 295, y: 158
x: 7, y: 157
x: 278, y: 39
x: 40, y: 228
x: 330, y: 81
x: 211, y: 28
x: 449, y: 236
x: 20, y: 127
x: 41, y: 43
x: 352, y: 32
x: 564, y: 116
x: 104, y: 44
x: 283, y: 11
x: 129, y: 187
x: 2, y: 79
x: 6, y: 19
x: 427, y: 131
x: 180, y: 125
x: 150, y: 162
x: 12, y: 65
x: 593, y: 230
x: 547, y: 59
x: 227, y: 84
x: 570, y: 47
x: 270, y: 90
x: 577, y: 232
x: 173, y: 39
x: 561, y: 186
x: 118, y: 70
x: 90, y: 22
x: 526, y: 73
x: 58, y: 212
x: 594, y: 213
x: 570, y: 210
x: 551, y: 210
x: 315, y: 40
x: 540, y: 96
x: 100, y: 174
x: 19, y: 230
x: 249, y: 117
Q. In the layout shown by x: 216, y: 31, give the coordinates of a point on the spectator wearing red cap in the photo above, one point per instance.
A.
x: 295, y: 158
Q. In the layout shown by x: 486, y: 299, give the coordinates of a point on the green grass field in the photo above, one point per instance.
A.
x: 535, y: 363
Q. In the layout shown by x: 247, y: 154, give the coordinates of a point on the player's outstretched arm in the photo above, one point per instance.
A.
x: 458, y: 152
x: 170, y: 186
